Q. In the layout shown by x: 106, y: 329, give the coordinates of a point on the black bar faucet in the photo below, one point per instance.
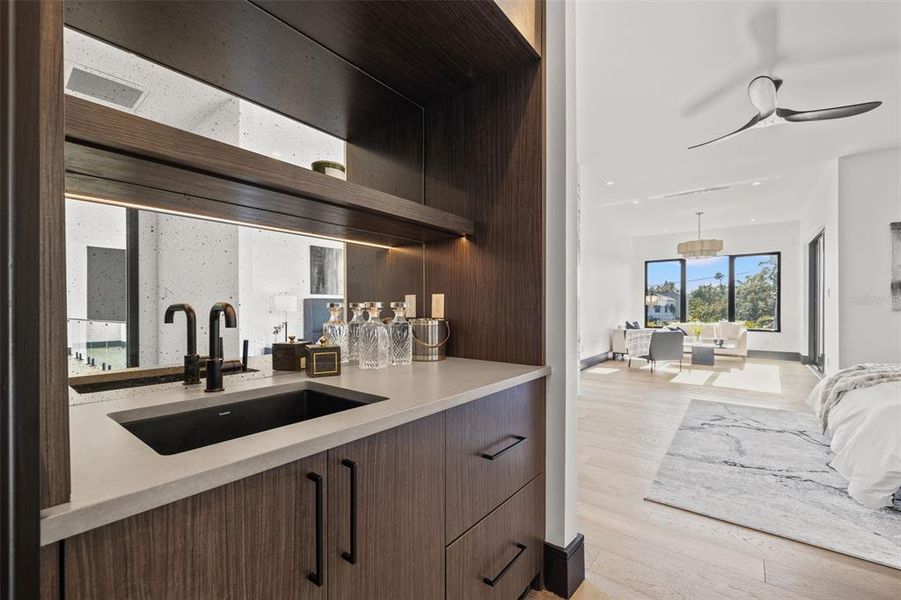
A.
x: 192, y: 360
x: 214, y: 361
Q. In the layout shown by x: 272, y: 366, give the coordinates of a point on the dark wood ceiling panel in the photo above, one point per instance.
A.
x: 424, y: 50
x: 236, y: 46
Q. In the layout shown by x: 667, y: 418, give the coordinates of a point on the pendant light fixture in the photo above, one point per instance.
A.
x: 700, y: 248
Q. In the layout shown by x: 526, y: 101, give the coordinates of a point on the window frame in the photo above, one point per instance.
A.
x: 683, y: 292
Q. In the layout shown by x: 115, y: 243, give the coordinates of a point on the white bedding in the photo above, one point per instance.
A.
x: 866, y: 438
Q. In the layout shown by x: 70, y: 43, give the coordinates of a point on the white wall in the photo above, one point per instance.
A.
x: 821, y: 214
x: 869, y: 198
x: 765, y: 237
x: 606, y: 265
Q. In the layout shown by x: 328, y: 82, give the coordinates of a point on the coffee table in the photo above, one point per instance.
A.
x: 703, y: 354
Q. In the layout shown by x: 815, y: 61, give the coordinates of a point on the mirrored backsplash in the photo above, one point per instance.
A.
x: 278, y: 282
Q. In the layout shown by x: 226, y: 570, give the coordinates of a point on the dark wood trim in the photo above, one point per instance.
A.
x: 814, y: 302
x: 236, y: 46
x: 591, y: 361
x: 138, y: 150
x: 564, y: 568
x: 33, y: 400
x: 133, y: 298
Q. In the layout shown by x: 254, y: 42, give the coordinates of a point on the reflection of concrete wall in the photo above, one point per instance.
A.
x: 107, y: 284
x: 88, y: 224
x: 197, y: 263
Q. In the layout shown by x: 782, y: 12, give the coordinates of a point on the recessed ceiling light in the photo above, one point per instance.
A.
x: 635, y: 202
x: 610, y: 182
x: 665, y: 229
x: 755, y: 183
x: 753, y: 220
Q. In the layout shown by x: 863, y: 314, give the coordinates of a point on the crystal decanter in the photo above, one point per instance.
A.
x: 400, y: 336
x: 335, y: 329
x: 354, y: 330
x: 374, y: 339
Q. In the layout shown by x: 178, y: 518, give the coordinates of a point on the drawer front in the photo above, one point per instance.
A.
x: 494, y: 447
x: 499, y: 557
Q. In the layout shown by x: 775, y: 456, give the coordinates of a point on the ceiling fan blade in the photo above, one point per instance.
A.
x: 750, y: 124
x: 824, y: 114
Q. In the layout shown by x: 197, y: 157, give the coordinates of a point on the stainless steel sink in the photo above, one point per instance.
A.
x: 177, y: 432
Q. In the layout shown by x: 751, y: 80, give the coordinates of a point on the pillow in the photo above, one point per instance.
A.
x: 676, y: 328
x: 632, y: 325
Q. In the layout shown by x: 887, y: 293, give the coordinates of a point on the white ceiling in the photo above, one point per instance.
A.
x: 645, y: 72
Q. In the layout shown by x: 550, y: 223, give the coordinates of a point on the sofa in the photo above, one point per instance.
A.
x: 735, y: 336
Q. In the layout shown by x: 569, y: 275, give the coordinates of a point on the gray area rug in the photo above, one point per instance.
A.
x: 768, y: 470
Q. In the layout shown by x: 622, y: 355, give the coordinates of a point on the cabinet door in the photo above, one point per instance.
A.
x: 494, y: 447
x: 283, y: 556
x: 386, y: 514
x: 501, y: 555
x: 251, y: 539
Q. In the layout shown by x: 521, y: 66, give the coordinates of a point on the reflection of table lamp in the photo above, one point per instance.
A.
x: 285, y: 303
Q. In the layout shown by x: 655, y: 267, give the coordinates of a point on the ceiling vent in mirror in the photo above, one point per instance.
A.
x: 103, y: 88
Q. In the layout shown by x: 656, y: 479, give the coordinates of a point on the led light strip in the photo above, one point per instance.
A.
x: 179, y: 213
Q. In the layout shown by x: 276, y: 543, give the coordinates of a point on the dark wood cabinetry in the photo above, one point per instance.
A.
x: 388, y: 542
x: 494, y: 447
x: 250, y: 539
x: 500, y: 557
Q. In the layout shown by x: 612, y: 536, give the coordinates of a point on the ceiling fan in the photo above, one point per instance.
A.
x: 762, y: 91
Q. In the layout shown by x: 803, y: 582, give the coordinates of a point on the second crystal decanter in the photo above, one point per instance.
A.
x: 354, y: 330
x: 400, y: 336
x: 373, y: 339
x: 335, y: 329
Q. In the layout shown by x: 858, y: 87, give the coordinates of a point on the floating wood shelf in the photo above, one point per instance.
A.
x: 125, y: 150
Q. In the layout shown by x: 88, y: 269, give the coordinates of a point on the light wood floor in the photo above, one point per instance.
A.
x: 638, y: 549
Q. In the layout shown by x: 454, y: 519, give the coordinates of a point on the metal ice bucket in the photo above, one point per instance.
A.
x: 430, y: 339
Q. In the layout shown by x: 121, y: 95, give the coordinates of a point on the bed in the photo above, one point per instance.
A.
x: 860, y: 410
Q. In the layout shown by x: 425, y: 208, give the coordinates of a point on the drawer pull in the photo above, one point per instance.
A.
x: 519, y: 439
x: 351, y: 556
x: 493, y: 582
x: 316, y: 576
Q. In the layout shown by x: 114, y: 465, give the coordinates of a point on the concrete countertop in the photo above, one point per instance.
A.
x: 115, y: 475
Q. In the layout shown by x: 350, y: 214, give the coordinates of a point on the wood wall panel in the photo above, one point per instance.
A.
x: 425, y: 50
x: 485, y: 161
x: 389, y: 158
x: 236, y: 46
x: 385, y: 275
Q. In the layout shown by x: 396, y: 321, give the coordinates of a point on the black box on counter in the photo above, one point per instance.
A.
x: 323, y: 360
x: 289, y: 356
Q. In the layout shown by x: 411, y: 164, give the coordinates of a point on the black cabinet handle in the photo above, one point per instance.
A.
x: 316, y: 576
x: 351, y: 556
x: 493, y: 582
x: 519, y: 439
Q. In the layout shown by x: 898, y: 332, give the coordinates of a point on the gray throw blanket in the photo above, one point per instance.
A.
x: 829, y: 392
